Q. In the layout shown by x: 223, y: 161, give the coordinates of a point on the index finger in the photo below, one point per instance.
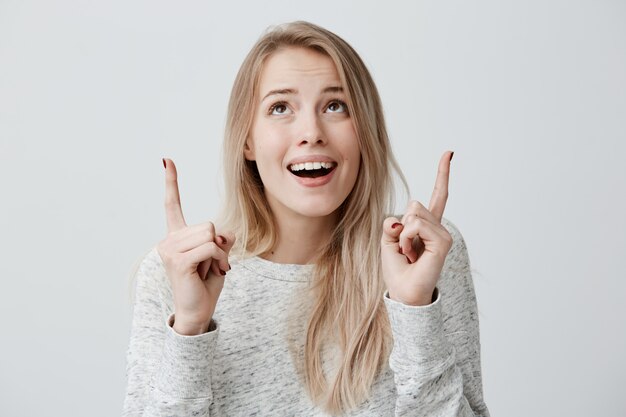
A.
x: 440, y: 193
x: 173, y: 210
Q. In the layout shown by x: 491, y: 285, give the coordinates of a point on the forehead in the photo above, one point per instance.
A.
x: 297, y: 67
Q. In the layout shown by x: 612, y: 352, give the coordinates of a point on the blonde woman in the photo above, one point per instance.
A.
x: 305, y: 298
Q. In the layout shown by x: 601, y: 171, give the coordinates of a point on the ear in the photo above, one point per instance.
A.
x: 248, y: 150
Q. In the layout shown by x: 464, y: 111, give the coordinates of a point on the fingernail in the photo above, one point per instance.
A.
x: 164, y: 165
x: 222, y: 239
x: 393, y: 226
x: 222, y: 272
x: 229, y: 267
x: 451, y: 155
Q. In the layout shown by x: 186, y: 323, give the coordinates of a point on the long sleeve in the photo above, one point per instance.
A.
x: 436, y: 352
x: 167, y: 373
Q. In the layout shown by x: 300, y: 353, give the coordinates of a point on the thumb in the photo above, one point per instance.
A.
x: 391, y: 231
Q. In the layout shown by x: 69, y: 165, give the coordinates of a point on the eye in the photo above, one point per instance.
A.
x: 278, y: 108
x: 337, y: 106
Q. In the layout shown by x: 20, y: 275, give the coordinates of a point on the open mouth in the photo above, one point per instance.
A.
x: 312, y: 169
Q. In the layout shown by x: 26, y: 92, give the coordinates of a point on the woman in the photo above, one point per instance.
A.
x: 304, y: 299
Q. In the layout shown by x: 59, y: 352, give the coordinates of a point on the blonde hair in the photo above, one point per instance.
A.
x: 347, y: 283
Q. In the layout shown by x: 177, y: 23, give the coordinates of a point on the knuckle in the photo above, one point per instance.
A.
x: 415, y: 207
x: 417, y: 222
x: 213, y: 249
x: 414, y: 204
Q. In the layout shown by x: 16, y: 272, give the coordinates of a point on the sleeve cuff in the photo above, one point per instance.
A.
x: 186, y: 363
x: 419, y: 342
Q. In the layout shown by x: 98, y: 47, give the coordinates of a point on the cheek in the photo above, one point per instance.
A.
x: 269, y: 141
x: 351, y: 148
x: 270, y: 150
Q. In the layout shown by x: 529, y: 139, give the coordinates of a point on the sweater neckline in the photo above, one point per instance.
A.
x: 277, y: 271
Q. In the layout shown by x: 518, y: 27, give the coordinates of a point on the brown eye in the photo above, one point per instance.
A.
x: 278, y: 108
x: 337, y: 106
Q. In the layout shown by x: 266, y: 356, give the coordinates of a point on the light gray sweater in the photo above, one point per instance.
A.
x: 246, y: 366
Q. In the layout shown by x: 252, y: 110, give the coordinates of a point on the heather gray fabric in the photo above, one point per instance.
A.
x: 246, y: 364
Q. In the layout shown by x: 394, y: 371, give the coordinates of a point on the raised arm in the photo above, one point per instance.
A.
x: 436, y: 353
x: 169, y: 357
x: 432, y: 310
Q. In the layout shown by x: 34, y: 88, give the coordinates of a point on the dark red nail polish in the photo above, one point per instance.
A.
x: 451, y: 155
x: 222, y: 239
x: 164, y: 164
x: 393, y: 226
x: 222, y: 272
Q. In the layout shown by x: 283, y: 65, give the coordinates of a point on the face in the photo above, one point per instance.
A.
x: 303, y: 138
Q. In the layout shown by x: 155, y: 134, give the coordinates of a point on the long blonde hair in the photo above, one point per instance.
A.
x: 347, y: 283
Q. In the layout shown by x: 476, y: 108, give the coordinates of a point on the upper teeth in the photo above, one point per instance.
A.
x: 311, y: 166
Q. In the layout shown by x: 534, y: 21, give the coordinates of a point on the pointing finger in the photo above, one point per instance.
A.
x: 173, y: 210
x: 440, y: 193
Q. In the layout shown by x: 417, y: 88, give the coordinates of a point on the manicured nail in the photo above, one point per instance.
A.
x: 164, y: 165
x: 222, y: 239
x: 393, y: 226
x: 451, y: 155
x: 222, y: 272
x: 229, y: 268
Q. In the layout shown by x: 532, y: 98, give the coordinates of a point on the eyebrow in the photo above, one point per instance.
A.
x: 333, y: 89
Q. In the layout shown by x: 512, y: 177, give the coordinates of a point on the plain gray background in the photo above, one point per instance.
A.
x: 531, y: 96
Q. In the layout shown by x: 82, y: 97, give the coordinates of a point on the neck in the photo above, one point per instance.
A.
x: 300, y: 238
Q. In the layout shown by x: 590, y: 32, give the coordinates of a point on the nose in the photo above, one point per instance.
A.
x: 311, y: 130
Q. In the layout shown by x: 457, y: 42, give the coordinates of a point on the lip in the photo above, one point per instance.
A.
x: 310, y: 158
x: 314, y: 182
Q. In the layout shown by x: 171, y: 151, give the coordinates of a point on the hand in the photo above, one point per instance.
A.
x: 195, y: 259
x: 414, y: 249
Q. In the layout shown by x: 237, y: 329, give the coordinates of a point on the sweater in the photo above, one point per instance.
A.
x: 245, y: 364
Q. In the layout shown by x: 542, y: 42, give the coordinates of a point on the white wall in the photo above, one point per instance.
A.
x: 531, y: 96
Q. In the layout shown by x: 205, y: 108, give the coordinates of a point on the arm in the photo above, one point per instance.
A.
x: 167, y: 373
x: 436, y: 352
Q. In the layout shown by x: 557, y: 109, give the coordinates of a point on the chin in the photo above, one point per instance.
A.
x: 315, y: 209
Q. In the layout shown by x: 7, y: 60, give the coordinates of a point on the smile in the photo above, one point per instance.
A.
x: 312, y: 169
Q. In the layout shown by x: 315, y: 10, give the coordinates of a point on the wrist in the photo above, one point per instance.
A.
x: 416, y: 300
x: 188, y: 328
